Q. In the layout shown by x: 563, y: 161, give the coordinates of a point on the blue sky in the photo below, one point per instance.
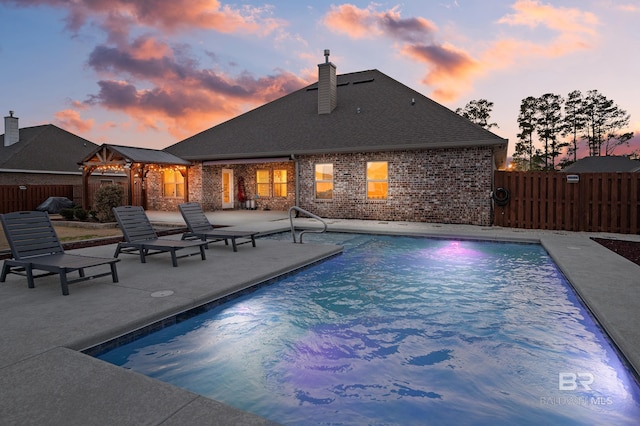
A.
x: 150, y: 73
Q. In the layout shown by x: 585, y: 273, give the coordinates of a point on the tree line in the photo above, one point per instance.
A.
x: 552, y: 128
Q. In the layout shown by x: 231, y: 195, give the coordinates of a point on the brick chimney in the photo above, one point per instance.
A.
x: 327, y: 86
x: 11, y: 131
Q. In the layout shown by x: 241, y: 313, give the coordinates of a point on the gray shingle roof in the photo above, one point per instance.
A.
x: 45, y: 148
x: 140, y: 155
x: 374, y: 113
x: 604, y: 164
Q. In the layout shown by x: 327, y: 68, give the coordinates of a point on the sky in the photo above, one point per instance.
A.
x: 150, y: 73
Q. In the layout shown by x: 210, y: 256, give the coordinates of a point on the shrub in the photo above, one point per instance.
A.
x: 106, y: 198
x: 93, y: 214
x: 67, y: 213
x: 80, y: 213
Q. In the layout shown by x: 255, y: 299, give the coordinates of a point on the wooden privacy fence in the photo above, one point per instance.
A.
x: 27, y: 197
x: 597, y: 202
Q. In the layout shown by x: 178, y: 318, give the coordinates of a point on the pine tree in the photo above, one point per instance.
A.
x: 525, y: 152
x: 478, y: 112
x: 549, y: 126
x: 574, y: 120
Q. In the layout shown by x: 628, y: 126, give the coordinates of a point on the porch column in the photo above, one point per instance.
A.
x: 86, y: 174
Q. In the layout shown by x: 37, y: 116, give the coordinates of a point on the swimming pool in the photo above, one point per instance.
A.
x: 401, y: 330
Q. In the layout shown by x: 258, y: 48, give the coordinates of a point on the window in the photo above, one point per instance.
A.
x: 173, y: 183
x: 324, y: 181
x: 377, y: 183
x: 280, y: 183
x: 262, y: 183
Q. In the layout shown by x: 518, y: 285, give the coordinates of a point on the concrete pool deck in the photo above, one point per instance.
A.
x: 44, y: 379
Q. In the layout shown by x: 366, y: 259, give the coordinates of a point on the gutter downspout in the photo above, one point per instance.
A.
x: 297, y: 177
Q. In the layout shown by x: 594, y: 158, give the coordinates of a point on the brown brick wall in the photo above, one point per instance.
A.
x: 206, y: 187
x: 443, y: 186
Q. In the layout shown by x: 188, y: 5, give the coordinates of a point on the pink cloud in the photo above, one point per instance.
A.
x: 163, y: 86
x: 452, y: 70
x: 533, y: 13
x: 169, y: 16
x: 70, y: 120
x: 368, y: 23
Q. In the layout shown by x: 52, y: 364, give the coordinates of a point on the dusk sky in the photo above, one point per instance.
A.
x: 150, y: 73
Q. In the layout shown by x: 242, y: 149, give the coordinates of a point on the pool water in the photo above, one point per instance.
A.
x: 405, y: 331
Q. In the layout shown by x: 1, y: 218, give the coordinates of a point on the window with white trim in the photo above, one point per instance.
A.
x: 280, y: 183
x: 377, y: 180
x: 263, y: 183
x: 324, y: 181
x: 172, y: 183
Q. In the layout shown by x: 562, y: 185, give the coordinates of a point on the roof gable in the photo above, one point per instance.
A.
x: 374, y: 113
x: 45, y: 148
x: 108, y: 153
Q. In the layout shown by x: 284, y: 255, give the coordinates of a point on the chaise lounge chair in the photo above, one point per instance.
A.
x: 200, y: 228
x: 35, y: 245
x: 140, y: 237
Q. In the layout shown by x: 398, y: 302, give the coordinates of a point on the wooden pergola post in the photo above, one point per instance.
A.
x: 86, y: 173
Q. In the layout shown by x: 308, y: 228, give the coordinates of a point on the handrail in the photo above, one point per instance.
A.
x: 311, y: 215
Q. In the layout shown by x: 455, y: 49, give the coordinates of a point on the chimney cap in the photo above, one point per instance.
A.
x: 326, y: 56
x: 11, y: 113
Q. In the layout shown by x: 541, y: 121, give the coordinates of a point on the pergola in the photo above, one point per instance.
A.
x: 134, y: 162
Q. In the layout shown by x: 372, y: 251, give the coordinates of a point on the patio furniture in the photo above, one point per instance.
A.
x: 200, y: 228
x: 35, y: 245
x: 140, y: 237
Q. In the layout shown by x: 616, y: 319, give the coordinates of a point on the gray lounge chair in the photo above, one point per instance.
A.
x: 200, y: 228
x: 140, y: 237
x: 35, y: 245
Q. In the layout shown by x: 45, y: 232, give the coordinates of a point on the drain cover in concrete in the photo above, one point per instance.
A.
x: 162, y: 293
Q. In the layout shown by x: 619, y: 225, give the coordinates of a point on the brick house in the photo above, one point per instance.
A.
x: 357, y: 145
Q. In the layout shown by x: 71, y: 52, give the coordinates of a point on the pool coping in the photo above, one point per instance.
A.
x: 45, y: 379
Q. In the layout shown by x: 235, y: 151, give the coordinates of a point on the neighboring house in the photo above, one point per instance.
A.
x: 604, y: 164
x: 358, y: 145
x: 42, y: 161
x: 40, y: 155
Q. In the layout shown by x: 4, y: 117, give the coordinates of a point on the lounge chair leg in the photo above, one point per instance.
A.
x: 253, y: 240
x: 63, y: 283
x: 81, y: 272
x: 5, y: 271
x: 29, y: 272
x: 233, y: 243
x: 142, y: 258
x: 202, y: 255
x: 114, y: 272
x: 174, y: 259
x: 117, y: 251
